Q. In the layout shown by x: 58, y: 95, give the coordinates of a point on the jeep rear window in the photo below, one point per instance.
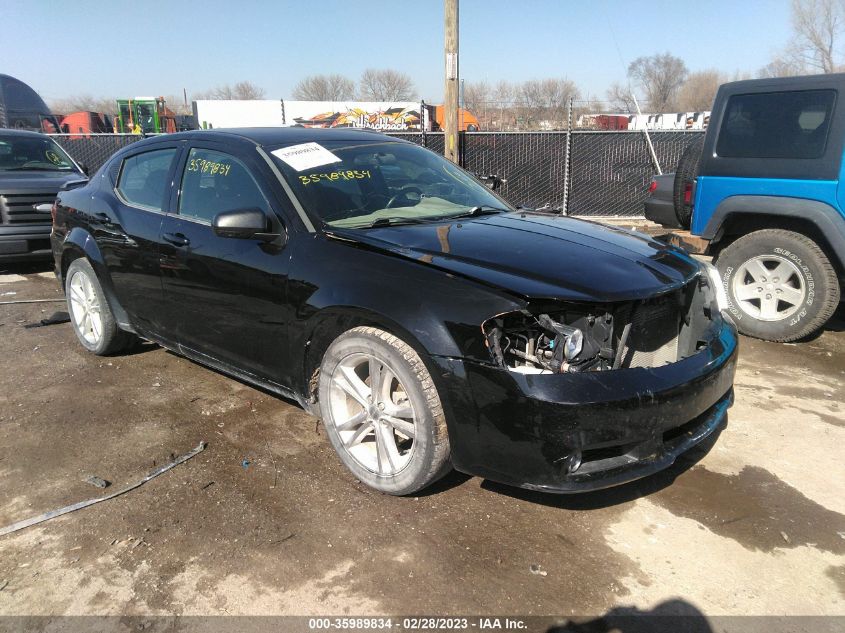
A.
x: 792, y: 124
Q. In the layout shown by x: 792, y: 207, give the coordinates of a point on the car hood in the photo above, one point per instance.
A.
x: 36, y: 181
x: 539, y: 256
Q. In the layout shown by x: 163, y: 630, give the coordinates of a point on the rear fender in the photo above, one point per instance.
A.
x: 80, y: 243
x: 825, y: 218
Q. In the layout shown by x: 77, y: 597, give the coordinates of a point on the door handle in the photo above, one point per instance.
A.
x: 177, y: 239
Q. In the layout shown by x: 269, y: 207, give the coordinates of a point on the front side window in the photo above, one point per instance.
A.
x: 143, y: 178
x: 214, y: 182
x: 366, y: 182
x: 792, y: 124
x: 32, y: 153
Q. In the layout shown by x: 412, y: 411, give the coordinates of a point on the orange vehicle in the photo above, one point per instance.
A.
x: 467, y: 122
x: 84, y: 123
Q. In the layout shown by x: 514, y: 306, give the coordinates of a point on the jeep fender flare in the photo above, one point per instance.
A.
x: 826, y: 218
x: 80, y: 243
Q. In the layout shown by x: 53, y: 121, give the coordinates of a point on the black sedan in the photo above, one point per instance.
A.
x: 429, y: 323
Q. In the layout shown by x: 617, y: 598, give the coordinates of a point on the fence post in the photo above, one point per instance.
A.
x: 567, y: 148
x: 424, y: 120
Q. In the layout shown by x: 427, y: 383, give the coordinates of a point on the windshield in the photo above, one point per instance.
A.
x: 361, y: 184
x: 25, y: 153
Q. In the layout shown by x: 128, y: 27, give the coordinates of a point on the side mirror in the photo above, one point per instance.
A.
x: 243, y: 224
x: 491, y: 181
x: 84, y: 168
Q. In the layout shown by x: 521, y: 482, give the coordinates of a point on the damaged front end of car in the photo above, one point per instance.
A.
x: 550, y: 337
x: 579, y: 396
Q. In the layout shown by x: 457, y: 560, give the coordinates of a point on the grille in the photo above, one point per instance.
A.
x: 662, y: 329
x: 653, y: 340
x: 20, y: 208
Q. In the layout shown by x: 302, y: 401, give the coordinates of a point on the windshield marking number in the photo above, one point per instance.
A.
x: 336, y: 175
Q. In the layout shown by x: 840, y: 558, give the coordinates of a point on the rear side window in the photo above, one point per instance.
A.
x: 215, y: 182
x: 143, y: 178
x: 792, y: 124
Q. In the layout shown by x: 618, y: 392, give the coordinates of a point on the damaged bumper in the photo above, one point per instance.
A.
x: 584, y: 431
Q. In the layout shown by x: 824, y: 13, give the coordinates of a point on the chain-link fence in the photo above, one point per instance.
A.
x: 591, y: 173
x: 610, y: 171
x: 93, y: 150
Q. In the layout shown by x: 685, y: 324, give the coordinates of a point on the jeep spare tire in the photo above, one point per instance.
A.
x: 780, y: 285
x: 684, y: 177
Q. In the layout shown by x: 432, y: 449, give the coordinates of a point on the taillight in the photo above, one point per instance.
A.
x: 652, y: 187
x: 687, y: 193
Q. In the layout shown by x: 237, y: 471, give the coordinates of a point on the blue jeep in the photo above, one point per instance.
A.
x: 768, y: 197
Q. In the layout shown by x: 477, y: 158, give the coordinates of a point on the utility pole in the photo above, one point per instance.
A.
x: 450, y: 93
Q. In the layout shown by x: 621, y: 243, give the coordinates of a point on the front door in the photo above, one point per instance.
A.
x: 225, y: 295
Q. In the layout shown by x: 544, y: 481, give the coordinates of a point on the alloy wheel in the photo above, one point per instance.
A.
x: 85, y: 308
x: 769, y: 287
x: 373, y: 414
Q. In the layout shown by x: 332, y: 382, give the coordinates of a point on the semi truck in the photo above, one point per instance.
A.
x: 388, y: 116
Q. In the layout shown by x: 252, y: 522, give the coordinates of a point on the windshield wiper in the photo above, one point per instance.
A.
x: 34, y: 168
x: 394, y: 221
x: 480, y: 210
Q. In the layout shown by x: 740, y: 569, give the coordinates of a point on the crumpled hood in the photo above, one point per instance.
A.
x: 539, y: 256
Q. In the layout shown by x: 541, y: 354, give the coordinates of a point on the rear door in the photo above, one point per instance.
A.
x: 129, y: 237
x: 225, y: 295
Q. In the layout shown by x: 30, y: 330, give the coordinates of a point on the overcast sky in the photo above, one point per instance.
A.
x: 158, y: 48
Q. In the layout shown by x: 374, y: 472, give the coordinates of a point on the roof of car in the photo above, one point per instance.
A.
x: 803, y: 82
x: 285, y: 135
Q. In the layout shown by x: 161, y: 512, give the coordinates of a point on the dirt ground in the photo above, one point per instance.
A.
x: 266, y: 521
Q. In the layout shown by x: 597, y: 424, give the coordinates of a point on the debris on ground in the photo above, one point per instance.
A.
x: 784, y: 536
x: 97, y: 481
x: 3, y: 584
x: 84, y: 504
x: 537, y: 570
x: 58, y: 317
x: 19, y: 301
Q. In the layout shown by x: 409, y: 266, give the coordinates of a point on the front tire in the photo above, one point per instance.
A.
x: 382, y: 412
x: 781, y: 286
x: 90, y: 315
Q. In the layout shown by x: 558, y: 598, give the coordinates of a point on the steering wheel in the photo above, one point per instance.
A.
x: 403, y: 195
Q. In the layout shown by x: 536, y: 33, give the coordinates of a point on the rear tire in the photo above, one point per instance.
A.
x: 685, y: 175
x: 393, y: 438
x: 781, y: 286
x: 90, y: 314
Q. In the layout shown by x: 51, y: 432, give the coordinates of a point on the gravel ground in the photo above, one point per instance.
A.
x: 266, y: 521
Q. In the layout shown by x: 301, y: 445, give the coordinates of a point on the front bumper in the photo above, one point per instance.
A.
x: 578, y: 432
x: 25, y: 242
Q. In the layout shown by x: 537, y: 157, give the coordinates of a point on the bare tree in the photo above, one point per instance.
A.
x: 241, y: 90
x: 661, y: 77
x: 477, y: 97
x: 324, y: 88
x: 83, y: 103
x: 620, y: 99
x: 818, y: 26
x: 386, y: 85
x: 699, y: 90
x: 545, y: 101
x: 784, y: 65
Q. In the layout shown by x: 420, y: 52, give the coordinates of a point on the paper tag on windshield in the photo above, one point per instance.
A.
x: 306, y: 156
